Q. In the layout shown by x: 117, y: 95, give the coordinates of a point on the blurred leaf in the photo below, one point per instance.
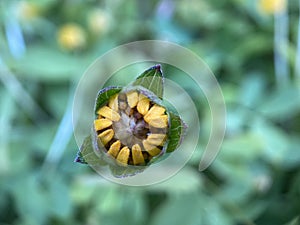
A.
x: 32, y: 203
x: 59, y: 197
x: 291, y: 159
x: 230, y: 93
x: 240, y: 148
x: 251, y: 90
x: 55, y: 100
x: 183, y: 209
x: 236, y: 119
x: 281, y: 104
x: 215, y: 214
x: 247, y: 212
x: 81, y: 194
x: 238, y: 191
x: 294, y: 221
x: 137, y: 210
x: 274, y: 141
x: 109, y: 203
x: 186, y: 180
x: 192, y: 209
x: 251, y: 46
x: 87, y: 188
x: 45, y: 63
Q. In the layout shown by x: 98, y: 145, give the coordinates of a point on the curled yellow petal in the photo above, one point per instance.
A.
x: 143, y: 104
x: 108, y: 113
x: 151, y: 149
x: 154, y: 112
x: 113, y: 103
x: 100, y: 124
x: 114, y: 149
x: 123, y: 155
x: 137, y: 155
x: 159, y: 122
x: 106, y: 136
x: 132, y: 98
x: 156, y: 139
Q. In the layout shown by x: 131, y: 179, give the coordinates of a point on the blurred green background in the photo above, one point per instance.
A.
x: 251, y: 47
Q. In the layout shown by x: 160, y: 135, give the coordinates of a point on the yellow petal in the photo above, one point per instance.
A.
x: 143, y: 104
x: 132, y: 98
x: 109, y: 113
x: 114, y: 149
x: 159, y: 122
x: 151, y: 149
x: 113, y: 103
x: 137, y: 155
x: 106, y: 136
x: 154, y: 112
x: 123, y: 155
x: 100, y: 124
x: 156, y: 139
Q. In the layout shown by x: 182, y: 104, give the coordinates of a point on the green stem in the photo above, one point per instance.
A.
x: 5, y: 131
x: 20, y: 95
x: 280, y: 47
x: 297, y: 62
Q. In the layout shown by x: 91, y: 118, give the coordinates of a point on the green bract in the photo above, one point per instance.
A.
x: 133, y: 126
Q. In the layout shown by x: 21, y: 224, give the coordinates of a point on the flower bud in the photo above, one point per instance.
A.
x: 71, y: 36
x: 124, y: 127
x: 132, y: 127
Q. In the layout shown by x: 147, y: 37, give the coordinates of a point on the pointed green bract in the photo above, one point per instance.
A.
x: 177, y: 127
x: 79, y: 158
x: 87, y: 155
x: 86, y: 151
x: 152, y: 79
x: 176, y: 131
x: 104, y: 95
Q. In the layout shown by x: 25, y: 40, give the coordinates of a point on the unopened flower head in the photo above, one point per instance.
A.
x: 132, y: 128
x: 71, y: 36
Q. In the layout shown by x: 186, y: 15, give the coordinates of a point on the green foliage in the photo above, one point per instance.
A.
x: 255, y: 178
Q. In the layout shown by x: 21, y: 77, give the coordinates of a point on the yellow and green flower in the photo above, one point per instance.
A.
x: 133, y: 126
